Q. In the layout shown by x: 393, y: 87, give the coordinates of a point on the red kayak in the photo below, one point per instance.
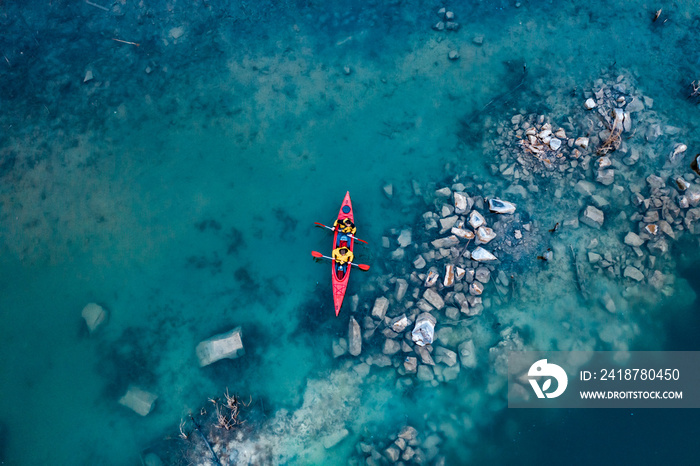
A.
x: 341, y: 273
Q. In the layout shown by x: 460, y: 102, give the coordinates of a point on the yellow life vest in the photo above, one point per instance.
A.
x: 341, y: 258
x: 345, y: 226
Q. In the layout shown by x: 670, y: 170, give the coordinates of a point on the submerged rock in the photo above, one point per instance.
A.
x: 138, y: 400
x: 405, y: 238
x: 592, y: 217
x: 226, y: 345
x: 94, y: 316
x: 354, y: 337
x: 401, y: 287
x: 424, y: 330
x: 501, y: 207
x: 467, y: 354
x: 634, y: 273
x: 632, y: 239
x: 381, y: 304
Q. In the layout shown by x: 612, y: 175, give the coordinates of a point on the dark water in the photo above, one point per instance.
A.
x: 178, y: 188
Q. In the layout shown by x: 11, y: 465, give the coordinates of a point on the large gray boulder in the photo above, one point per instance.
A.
x: 424, y: 330
x: 226, y: 345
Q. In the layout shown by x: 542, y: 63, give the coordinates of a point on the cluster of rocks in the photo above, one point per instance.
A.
x: 666, y: 208
x: 544, y: 149
x: 446, y: 283
x: 408, y: 446
x: 595, y: 163
x: 447, y: 21
x: 137, y: 399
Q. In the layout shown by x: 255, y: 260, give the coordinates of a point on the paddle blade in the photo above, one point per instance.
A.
x: 364, y: 267
x: 317, y: 255
x: 360, y: 240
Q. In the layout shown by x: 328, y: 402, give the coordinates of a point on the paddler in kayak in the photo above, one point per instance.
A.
x: 345, y: 226
x: 343, y: 255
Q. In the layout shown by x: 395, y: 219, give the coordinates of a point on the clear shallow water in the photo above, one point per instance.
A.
x: 180, y: 198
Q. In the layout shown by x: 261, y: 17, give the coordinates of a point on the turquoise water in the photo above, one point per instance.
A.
x: 178, y: 189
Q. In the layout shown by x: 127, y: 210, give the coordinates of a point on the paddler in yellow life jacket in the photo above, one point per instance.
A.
x: 343, y: 255
x: 345, y: 226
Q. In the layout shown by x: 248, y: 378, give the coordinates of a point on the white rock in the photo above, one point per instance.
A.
x: 431, y: 279
x: 634, y: 273
x: 88, y: 76
x: 381, y: 304
x: 453, y: 55
x: 590, y: 104
x: 460, y: 273
x: 434, y: 299
x: 593, y: 217
x: 400, y: 323
x: 476, y: 219
x: 461, y: 203
x: 449, y: 279
x: 405, y: 238
x: 462, y: 233
x: 354, y: 337
x: 501, y: 207
x: 94, y: 316
x: 424, y: 330
x: 485, y: 234
x: 138, y: 400
x: 225, y: 345
x: 582, y: 142
x: 481, y: 255
x: 554, y: 143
